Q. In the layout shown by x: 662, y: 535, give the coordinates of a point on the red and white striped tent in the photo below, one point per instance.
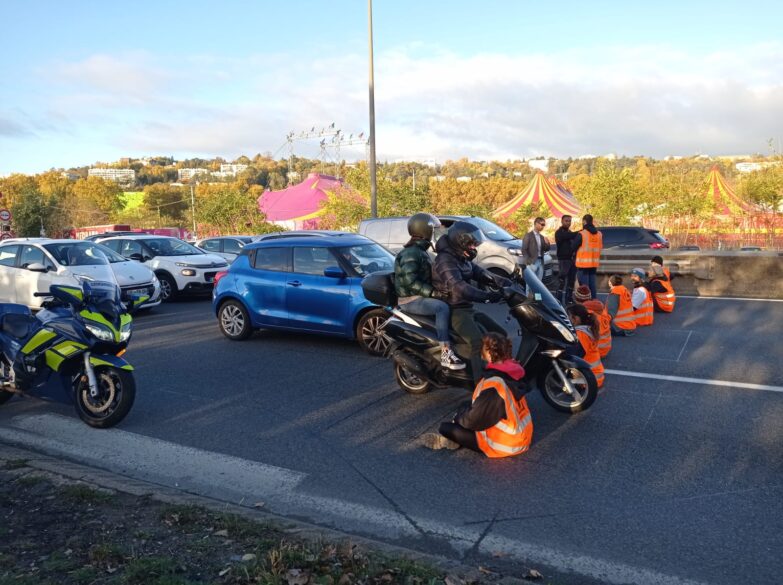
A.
x: 726, y: 201
x: 541, y: 191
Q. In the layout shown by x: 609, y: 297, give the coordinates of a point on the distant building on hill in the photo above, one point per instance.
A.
x: 232, y: 169
x: 540, y: 164
x: 188, y: 174
x: 122, y: 176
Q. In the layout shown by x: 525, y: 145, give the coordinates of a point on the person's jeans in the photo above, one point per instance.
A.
x: 428, y: 307
x: 587, y: 276
x: 538, y: 268
x: 567, y: 277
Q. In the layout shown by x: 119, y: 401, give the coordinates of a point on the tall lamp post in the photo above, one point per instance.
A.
x: 373, y: 184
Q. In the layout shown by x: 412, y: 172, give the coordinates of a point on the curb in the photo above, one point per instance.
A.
x: 63, y: 470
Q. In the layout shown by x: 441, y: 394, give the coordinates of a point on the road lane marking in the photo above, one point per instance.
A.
x: 702, y: 381
x: 684, y: 344
x: 226, y: 478
x: 730, y: 299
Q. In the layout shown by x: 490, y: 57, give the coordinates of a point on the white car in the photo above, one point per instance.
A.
x: 229, y: 247
x: 134, y: 278
x: 180, y: 267
x: 32, y: 265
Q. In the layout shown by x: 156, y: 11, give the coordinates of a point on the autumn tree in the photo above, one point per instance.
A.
x: 93, y: 200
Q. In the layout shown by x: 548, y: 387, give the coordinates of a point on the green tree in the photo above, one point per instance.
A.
x: 93, y: 201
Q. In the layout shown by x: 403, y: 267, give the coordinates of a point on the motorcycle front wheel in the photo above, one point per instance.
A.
x: 116, y: 393
x: 555, y: 392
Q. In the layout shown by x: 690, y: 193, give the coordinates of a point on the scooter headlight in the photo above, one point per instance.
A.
x: 100, y: 332
x: 569, y: 337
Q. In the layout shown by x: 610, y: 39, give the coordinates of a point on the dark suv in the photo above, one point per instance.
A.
x: 632, y: 237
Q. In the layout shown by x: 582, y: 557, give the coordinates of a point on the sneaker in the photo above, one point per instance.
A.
x: 437, y: 441
x: 449, y: 360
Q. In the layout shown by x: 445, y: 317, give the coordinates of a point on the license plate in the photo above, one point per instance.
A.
x: 136, y: 292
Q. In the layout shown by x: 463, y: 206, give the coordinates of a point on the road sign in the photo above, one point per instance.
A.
x: 6, y: 236
x: 5, y: 215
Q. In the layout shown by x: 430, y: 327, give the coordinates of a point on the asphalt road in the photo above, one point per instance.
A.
x: 660, y: 481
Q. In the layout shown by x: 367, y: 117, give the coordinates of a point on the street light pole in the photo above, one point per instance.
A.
x: 373, y: 184
x: 193, y: 210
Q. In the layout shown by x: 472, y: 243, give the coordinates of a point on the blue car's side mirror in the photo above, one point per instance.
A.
x: 334, y: 272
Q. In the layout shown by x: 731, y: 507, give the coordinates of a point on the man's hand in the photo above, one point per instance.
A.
x: 441, y: 296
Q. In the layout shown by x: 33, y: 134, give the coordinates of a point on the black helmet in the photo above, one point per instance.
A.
x: 464, y: 237
x: 422, y: 225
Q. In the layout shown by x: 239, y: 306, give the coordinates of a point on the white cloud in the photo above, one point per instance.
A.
x: 433, y: 104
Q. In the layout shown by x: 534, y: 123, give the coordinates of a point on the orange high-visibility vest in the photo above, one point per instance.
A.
x: 513, y: 434
x: 592, y: 357
x: 644, y: 314
x: 666, y: 300
x: 589, y: 253
x: 624, y: 319
x: 604, y: 321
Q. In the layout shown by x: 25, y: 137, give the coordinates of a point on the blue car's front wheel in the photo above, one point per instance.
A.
x: 369, y: 332
x: 234, y: 321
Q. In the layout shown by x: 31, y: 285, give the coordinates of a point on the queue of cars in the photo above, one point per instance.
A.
x: 305, y: 281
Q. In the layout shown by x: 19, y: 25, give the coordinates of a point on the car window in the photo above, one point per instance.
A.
x: 113, y: 244
x: 33, y: 254
x: 231, y: 246
x: 398, y: 231
x: 275, y: 259
x: 313, y: 260
x: 366, y: 258
x: 210, y: 245
x: 8, y: 255
x: 612, y: 237
x: 128, y: 247
x: 171, y: 247
x: 77, y: 254
x: 378, y: 231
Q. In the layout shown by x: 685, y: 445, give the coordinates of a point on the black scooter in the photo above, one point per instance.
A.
x: 566, y: 382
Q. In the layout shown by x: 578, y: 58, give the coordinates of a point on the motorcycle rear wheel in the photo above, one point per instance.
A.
x: 583, y: 381
x: 409, y: 381
x: 116, y: 393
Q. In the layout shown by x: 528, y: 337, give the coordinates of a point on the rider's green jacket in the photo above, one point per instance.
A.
x: 413, y: 270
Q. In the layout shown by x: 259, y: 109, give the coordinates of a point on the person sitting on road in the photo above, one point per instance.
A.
x: 641, y: 299
x: 452, y: 276
x: 413, y: 284
x: 658, y: 261
x: 497, y: 421
x: 620, y: 308
x: 661, y: 289
x: 582, y: 297
x: 588, y: 331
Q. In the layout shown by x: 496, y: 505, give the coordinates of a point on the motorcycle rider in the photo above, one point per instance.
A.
x: 452, y: 276
x: 413, y: 284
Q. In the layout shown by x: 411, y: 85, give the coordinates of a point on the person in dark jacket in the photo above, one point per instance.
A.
x: 564, y: 240
x: 413, y: 284
x: 452, y: 276
x: 497, y: 421
x: 655, y: 276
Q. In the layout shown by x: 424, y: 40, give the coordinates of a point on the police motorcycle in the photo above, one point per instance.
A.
x: 71, y: 351
x: 547, y: 337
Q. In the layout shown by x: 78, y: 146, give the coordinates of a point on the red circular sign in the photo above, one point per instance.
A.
x: 6, y: 236
x: 5, y: 215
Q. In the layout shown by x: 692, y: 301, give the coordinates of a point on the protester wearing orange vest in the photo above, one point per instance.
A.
x: 497, y: 422
x: 587, y: 331
x: 582, y: 297
x: 620, y: 308
x: 661, y: 289
x: 588, y: 245
x: 641, y: 299
x: 658, y: 260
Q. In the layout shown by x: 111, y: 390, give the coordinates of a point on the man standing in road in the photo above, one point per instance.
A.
x: 588, y: 244
x: 534, y: 244
x: 564, y: 240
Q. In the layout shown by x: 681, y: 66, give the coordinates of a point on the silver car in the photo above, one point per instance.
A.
x: 499, y: 253
x: 227, y: 247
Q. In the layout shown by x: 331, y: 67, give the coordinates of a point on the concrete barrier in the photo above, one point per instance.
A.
x: 757, y: 275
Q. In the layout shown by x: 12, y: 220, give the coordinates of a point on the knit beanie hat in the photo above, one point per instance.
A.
x: 639, y: 272
x: 582, y: 293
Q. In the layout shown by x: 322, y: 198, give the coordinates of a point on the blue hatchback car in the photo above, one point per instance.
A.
x: 308, y: 281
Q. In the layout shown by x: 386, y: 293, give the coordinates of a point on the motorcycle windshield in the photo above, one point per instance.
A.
x: 105, y: 296
x: 540, y: 293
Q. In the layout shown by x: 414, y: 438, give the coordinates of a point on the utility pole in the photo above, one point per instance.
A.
x: 373, y: 184
x: 193, y: 210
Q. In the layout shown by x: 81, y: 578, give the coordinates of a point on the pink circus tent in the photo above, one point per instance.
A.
x: 299, y: 206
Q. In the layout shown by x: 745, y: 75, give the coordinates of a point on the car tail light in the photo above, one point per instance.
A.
x: 220, y: 275
x: 655, y: 245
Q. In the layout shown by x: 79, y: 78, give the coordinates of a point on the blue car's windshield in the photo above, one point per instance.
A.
x: 367, y: 258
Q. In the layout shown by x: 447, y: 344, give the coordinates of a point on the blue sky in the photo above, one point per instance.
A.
x: 491, y: 79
